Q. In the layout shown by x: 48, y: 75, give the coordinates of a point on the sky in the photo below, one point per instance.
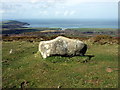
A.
x: 59, y: 9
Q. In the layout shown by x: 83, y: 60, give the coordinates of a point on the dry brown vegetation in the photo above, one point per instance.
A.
x: 98, y: 39
x: 104, y: 39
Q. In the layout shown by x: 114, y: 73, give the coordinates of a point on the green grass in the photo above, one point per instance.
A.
x: 26, y: 64
x: 95, y: 29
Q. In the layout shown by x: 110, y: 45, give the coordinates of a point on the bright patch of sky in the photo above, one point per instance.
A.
x: 37, y: 9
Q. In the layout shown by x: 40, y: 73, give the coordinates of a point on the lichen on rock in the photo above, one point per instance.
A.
x: 62, y: 46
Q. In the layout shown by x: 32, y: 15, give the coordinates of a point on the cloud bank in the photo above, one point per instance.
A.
x: 58, y: 8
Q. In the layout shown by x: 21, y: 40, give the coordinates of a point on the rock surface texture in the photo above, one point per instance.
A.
x: 62, y: 46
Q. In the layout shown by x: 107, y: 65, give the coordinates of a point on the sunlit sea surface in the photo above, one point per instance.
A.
x: 71, y: 23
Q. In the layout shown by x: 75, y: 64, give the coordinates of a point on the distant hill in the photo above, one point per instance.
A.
x: 11, y: 24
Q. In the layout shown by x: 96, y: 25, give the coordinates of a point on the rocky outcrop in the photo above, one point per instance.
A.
x: 62, y: 46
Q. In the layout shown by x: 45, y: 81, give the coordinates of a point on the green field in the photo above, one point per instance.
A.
x: 94, y: 29
x: 25, y: 64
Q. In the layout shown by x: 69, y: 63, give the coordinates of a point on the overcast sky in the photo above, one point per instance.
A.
x: 79, y: 9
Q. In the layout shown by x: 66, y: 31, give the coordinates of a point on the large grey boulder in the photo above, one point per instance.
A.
x: 62, y: 46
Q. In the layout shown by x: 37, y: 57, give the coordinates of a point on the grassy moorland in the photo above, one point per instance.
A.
x: 23, y: 66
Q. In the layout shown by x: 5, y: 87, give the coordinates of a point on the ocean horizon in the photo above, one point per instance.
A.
x: 71, y: 23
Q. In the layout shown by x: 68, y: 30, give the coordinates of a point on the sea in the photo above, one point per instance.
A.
x: 72, y: 23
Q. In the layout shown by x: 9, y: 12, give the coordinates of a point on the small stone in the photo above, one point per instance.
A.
x: 109, y: 69
x: 11, y: 51
x: 59, y: 86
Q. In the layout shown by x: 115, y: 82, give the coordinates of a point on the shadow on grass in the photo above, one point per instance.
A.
x: 66, y: 58
x: 89, y: 58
